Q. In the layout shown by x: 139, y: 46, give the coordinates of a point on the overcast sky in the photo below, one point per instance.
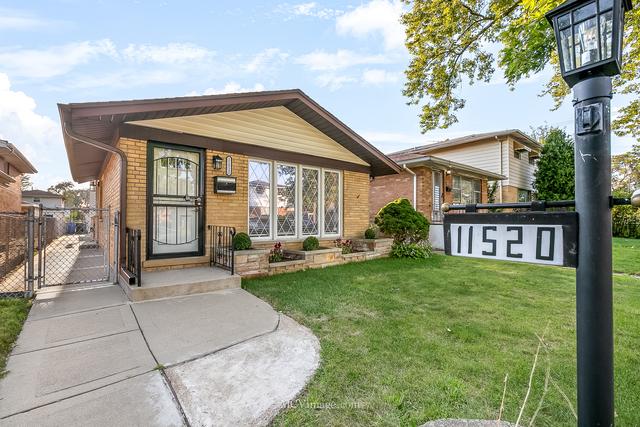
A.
x: 349, y: 57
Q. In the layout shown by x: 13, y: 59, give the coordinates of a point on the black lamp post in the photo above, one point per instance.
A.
x: 589, y: 37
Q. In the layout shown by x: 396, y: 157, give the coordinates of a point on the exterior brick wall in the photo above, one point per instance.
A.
x: 108, y: 195
x: 355, y: 207
x: 11, y: 196
x: 509, y: 194
x: 220, y: 209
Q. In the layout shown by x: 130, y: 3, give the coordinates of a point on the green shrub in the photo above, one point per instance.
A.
x: 401, y: 221
x: 370, y: 233
x: 420, y: 250
x: 626, y: 222
x: 310, y: 244
x: 241, y: 241
x: 345, y: 245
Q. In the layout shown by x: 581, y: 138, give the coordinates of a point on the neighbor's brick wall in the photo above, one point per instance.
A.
x: 11, y: 195
x: 509, y: 194
x: 384, y: 189
x: 355, y: 209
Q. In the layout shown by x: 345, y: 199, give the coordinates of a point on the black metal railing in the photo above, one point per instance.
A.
x: 221, y: 247
x: 536, y: 205
x: 133, y: 264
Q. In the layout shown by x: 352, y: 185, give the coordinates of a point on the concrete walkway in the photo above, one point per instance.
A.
x: 86, y: 356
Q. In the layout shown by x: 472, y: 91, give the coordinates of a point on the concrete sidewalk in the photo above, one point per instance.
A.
x: 87, y: 356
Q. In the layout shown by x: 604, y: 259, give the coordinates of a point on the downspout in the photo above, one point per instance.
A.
x: 501, y: 169
x: 404, y: 166
x: 123, y: 186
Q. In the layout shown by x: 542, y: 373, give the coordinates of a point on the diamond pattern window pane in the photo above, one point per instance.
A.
x: 310, y: 202
x: 259, y: 199
x: 331, y: 202
x: 286, y: 200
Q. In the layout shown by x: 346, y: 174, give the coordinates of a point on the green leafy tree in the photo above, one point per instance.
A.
x: 73, y: 197
x: 625, y: 170
x: 554, y: 176
x: 453, y: 42
x: 25, y: 182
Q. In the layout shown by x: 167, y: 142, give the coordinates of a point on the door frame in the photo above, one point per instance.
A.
x: 149, y: 202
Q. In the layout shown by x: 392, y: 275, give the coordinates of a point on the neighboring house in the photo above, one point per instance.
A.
x: 510, y: 153
x: 45, y: 198
x: 299, y: 171
x: 428, y: 181
x: 13, y: 164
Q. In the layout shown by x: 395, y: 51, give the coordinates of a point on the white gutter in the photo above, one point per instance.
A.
x: 404, y: 166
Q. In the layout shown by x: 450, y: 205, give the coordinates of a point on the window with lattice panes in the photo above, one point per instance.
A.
x: 259, y: 198
x: 331, y: 202
x: 286, y: 176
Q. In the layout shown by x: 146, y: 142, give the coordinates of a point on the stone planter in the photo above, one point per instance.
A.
x: 379, y: 246
x: 356, y: 256
x: 320, y: 257
x: 251, y: 262
x: 286, y: 266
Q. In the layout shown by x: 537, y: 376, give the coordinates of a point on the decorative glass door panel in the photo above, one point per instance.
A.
x: 176, y: 203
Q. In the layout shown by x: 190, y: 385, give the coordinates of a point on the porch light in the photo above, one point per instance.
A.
x: 93, y: 185
x: 217, y: 162
x: 589, y: 37
x: 635, y: 199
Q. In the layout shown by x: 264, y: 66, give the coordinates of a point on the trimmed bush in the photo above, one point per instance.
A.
x: 241, y: 242
x: 401, y: 221
x: 420, y: 250
x: 370, y: 233
x: 310, y: 244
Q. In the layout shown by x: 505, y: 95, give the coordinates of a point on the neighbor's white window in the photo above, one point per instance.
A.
x: 466, y: 190
x: 306, y: 201
x: 259, y: 198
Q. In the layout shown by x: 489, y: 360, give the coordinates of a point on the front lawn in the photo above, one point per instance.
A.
x: 13, y: 313
x: 404, y: 342
x: 626, y: 255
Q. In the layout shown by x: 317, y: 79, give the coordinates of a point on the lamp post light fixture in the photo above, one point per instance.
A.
x: 589, y: 37
x: 217, y: 162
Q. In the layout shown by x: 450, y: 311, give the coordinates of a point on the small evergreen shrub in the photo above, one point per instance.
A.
x: 370, y: 233
x: 420, y: 250
x: 241, y: 242
x: 310, y: 244
x: 401, y: 221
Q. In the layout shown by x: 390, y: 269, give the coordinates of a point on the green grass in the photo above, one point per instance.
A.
x: 406, y: 341
x: 13, y: 313
x: 626, y: 255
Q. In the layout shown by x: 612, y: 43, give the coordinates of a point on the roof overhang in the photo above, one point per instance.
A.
x: 444, y: 164
x: 16, y: 158
x: 101, y: 122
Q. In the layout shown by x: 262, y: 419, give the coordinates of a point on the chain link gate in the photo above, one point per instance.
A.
x: 13, y: 254
x: 77, y: 246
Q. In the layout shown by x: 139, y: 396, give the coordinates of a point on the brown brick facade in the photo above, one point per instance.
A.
x: 220, y: 209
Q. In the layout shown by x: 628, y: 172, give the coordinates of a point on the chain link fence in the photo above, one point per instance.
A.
x: 13, y: 253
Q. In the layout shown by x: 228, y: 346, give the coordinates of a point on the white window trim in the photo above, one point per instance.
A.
x: 271, y: 172
x: 274, y: 220
x: 273, y: 208
x: 318, y: 200
x: 340, y: 208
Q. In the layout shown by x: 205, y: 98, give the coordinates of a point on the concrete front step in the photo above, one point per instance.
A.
x: 186, y: 281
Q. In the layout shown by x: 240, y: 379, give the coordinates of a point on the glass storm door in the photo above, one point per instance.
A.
x: 175, y: 214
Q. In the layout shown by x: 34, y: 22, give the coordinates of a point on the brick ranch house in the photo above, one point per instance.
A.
x: 13, y: 164
x: 273, y: 164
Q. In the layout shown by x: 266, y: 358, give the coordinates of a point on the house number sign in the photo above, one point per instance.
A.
x: 536, y: 237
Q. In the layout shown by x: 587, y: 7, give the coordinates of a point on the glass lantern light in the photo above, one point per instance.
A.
x: 217, y: 162
x: 589, y: 37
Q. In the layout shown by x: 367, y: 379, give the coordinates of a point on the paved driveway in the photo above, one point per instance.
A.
x: 86, y: 356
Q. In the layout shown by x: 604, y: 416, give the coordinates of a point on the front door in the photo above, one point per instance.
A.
x: 175, y: 214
